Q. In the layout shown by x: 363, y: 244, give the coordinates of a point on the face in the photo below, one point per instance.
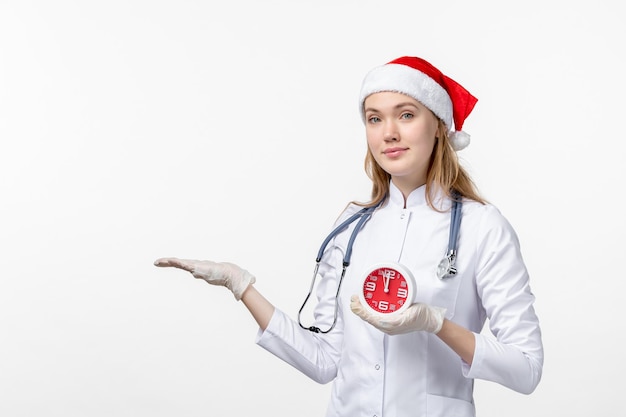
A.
x: 401, y: 136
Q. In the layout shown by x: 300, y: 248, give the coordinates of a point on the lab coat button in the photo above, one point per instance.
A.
x: 377, y: 367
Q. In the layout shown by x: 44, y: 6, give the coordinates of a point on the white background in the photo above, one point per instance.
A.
x: 132, y: 130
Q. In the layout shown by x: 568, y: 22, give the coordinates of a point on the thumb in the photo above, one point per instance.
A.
x: 357, y: 308
x: 355, y: 304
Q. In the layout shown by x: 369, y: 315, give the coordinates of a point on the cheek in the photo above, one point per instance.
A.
x: 371, y: 139
x: 425, y: 135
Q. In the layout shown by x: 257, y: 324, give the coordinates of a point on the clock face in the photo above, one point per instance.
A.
x: 388, y: 288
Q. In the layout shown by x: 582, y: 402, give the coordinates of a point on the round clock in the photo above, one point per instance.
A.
x: 388, y: 288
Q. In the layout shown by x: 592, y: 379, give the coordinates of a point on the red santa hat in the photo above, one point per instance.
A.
x: 420, y: 80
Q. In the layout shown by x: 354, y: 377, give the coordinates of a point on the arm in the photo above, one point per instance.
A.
x: 459, y: 339
x: 422, y: 317
x: 315, y: 356
x: 261, y: 309
x: 515, y: 357
x: 231, y: 276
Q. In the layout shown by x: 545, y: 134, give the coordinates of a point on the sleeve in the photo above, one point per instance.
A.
x: 515, y: 357
x: 306, y: 351
x: 314, y: 354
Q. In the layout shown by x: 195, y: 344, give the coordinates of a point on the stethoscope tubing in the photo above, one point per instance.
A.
x: 364, y: 215
x: 455, y: 222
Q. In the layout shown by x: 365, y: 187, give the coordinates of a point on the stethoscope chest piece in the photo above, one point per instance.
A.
x: 446, y: 267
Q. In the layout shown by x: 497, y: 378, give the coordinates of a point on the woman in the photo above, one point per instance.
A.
x: 423, y: 360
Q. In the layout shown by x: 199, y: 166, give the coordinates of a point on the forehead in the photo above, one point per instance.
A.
x: 389, y: 99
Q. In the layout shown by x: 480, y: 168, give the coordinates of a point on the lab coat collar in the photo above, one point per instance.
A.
x: 416, y: 198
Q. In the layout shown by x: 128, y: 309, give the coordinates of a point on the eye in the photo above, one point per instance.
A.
x: 373, y: 119
x: 406, y: 116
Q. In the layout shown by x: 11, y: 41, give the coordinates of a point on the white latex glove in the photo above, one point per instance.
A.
x: 418, y: 317
x: 225, y: 274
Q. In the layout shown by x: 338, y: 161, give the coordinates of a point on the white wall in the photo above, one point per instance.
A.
x: 131, y: 130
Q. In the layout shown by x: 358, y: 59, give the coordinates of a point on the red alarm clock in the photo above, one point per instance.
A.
x: 388, y: 288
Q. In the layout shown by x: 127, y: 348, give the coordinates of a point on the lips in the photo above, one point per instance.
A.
x: 394, y: 152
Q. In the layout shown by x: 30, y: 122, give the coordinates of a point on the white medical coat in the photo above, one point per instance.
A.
x: 416, y: 374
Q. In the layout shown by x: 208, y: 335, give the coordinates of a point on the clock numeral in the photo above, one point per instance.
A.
x: 370, y: 286
x: 383, y: 305
x: 387, y: 273
x: 403, y: 293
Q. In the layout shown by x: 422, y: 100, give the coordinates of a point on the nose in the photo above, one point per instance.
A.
x: 391, y: 133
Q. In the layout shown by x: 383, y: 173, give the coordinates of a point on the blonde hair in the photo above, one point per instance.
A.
x: 444, y: 172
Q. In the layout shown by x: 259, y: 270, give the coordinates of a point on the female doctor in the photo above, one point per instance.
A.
x: 423, y: 360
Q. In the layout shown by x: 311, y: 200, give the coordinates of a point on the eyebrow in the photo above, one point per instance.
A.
x: 397, y: 106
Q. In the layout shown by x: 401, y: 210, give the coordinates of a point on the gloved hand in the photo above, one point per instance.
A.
x: 418, y: 316
x: 225, y: 274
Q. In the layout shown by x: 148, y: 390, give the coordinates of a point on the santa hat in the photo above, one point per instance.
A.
x: 420, y: 80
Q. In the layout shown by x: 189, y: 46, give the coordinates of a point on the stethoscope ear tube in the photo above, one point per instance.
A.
x: 316, y: 329
x: 364, y: 214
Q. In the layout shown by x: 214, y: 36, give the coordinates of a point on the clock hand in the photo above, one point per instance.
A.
x: 386, y: 278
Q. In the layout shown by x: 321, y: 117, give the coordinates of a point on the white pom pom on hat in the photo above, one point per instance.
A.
x: 419, y: 79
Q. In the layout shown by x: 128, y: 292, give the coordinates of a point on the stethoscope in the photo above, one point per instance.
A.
x: 445, y: 269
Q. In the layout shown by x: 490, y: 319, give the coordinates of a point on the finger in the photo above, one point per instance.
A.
x: 163, y: 262
x: 176, y: 263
